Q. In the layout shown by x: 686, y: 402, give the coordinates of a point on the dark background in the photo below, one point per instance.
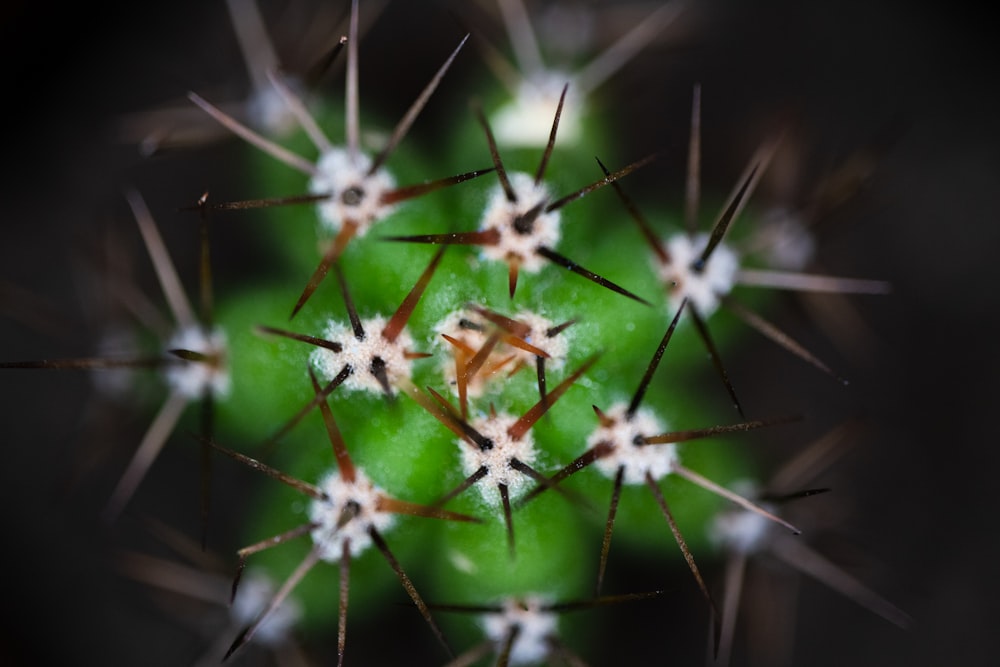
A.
x: 920, y: 486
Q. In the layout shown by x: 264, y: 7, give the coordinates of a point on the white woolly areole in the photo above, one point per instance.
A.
x: 255, y: 592
x: 526, y: 121
x: 739, y: 530
x: 702, y: 288
x: 497, y: 459
x: 354, y: 195
x: 536, y: 625
x: 327, y: 536
x: 192, y: 378
x: 267, y: 110
x: 470, y: 328
x: 360, y: 353
x: 788, y: 243
x: 657, y: 460
x: 501, y: 214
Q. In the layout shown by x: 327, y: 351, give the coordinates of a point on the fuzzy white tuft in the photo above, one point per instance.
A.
x: 501, y: 214
x: 497, y: 460
x: 702, y: 288
x: 535, y: 625
x: 739, y: 530
x: 267, y: 110
x: 328, y: 537
x: 788, y: 244
x: 255, y: 593
x: 657, y: 460
x: 192, y: 378
x: 354, y: 195
x: 360, y: 353
x: 526, y: 121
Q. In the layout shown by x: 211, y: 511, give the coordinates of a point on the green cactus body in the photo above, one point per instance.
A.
x: 413, y: 456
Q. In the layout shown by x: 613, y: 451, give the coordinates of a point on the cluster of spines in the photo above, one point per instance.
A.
x: 500, y: 451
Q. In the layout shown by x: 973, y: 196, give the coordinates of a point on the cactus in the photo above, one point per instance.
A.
x: 496, y: 355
